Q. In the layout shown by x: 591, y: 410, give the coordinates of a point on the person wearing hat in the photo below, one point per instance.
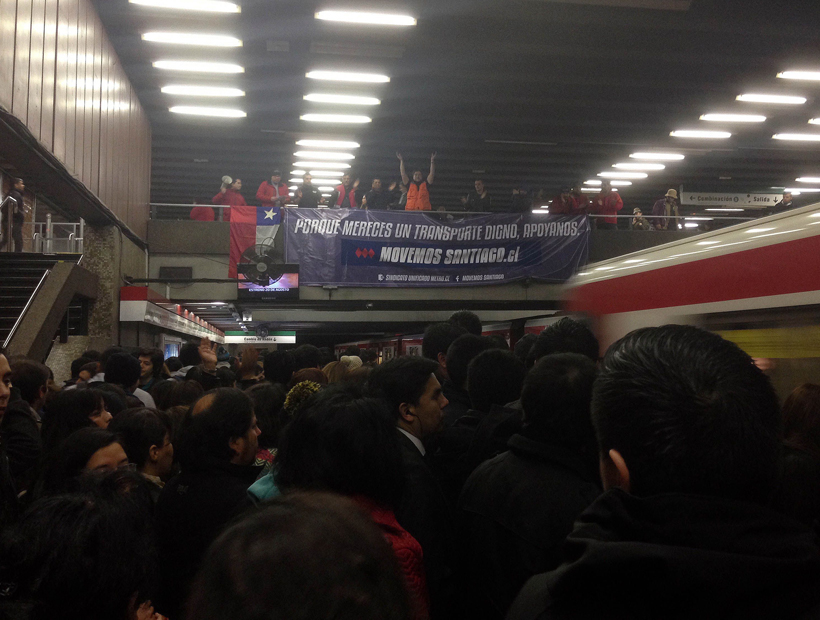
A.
x: 665, y: 212
x: 639, y: 221
x: 229, y: 196
x: 273, y: 193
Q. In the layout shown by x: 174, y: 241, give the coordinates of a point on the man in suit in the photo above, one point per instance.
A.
x: 411, y: 389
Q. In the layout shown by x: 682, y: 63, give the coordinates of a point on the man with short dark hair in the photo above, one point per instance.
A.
x: 308, y: 195
x: 198, y: 364
x: 459, y: 356
x: 411, y: 390
x: 520, y: 506
x: 344, y: 194
x: 20, y: 427
x: 217, y: 451
x: 273, y: 193
x: 564, y: 336
x: 689, y: 436
x: 437, y: 339
x: 478, y: 200
x: 468, y: 320
x: 124, y: 370
x: 151, y: 361
x: 377, y: 199
x: 307, y: 356
x: 146, y: 438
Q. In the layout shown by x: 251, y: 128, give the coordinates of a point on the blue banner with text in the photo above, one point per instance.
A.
x: 347, y: 247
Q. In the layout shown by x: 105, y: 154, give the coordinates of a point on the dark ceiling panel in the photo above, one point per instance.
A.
x: 541, y: 92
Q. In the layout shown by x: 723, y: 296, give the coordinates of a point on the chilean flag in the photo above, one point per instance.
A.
x: 251, y: 226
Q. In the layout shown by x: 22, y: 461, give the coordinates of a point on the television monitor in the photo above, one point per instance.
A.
x: 281, y: 285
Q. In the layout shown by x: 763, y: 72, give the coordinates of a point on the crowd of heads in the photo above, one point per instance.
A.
x: 300, y: 461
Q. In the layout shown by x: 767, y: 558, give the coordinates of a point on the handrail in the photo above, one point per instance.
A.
x: 25, y: 309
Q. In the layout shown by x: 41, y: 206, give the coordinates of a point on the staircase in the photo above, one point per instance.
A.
x: 20, y: 274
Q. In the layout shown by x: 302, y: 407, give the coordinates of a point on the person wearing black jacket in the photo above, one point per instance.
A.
x: 377, y: 199
x: 9, y: 505
x: 216, y: 453
x: 16, y: 209
x: 20, y: 426
x: 411, y: 390
x: 308, y: 195
x: 520, y: 506
x: 689, y: 436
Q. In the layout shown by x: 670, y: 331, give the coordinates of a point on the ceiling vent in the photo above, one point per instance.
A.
x: 355, y: 49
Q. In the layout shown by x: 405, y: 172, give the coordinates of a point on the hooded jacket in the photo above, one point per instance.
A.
x: 678, y: 556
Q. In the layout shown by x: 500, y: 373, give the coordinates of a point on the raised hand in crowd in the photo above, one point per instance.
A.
x: 207, y: 353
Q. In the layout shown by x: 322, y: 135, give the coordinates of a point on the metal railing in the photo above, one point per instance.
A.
x: 57, y: 237
x: 25, y: 309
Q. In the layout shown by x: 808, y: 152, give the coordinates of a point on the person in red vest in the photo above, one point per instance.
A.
x: 418, y: 191
x: 607, y: 203
x: 564, y: 203
x: 230, y: 197
x: 344, y: 195
x: 275, y: 193
x: 581, y: 199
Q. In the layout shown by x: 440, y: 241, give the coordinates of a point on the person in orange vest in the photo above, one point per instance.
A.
x: 418, y: 192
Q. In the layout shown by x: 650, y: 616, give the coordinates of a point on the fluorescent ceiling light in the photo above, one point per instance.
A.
x: 813, y: 76
x: 758, y: 98
x: 327, y: 173
x: 623, y: 175
x: 293, y: 188
x: 690, y: 225
x: 540, y: 212
x: 345, y: 76
x: 590, y: 190
x: 201, y: 67
x: 341, y: 99
x: 202, y: 91
x: 208, y: 6
x: 697, y: 133
x: 328, y: 144
x: 322, y: 164
x: 322, y: 155
x: 199, y: 111
x: 814, y: 121
x: 643, y: 167
x: 798, y: 137
x: 733, y: 118
x: 335, y: 118
x: 369, y: 19
x: 658, y: 156
x: 805, y: 190
x: 593, y: 182
x: 700, y: 219
x: 326, y: 189
x: 298, y: 173
x: 187, y: 38
x: 808, y: 179
x: 620, y: 183
x: 725, y: 210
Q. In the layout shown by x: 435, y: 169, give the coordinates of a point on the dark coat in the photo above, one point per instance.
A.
x: 518, y: 509
x: 192, y: 510
x: 24, y: 447
x: 459, y: 402
x: 423, y: 511
x: 678, y: 556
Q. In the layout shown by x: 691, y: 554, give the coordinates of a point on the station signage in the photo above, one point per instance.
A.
x: 717, y: 199
x: 252, y: 338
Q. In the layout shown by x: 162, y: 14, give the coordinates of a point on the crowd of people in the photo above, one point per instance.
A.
x: 662, y: 480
